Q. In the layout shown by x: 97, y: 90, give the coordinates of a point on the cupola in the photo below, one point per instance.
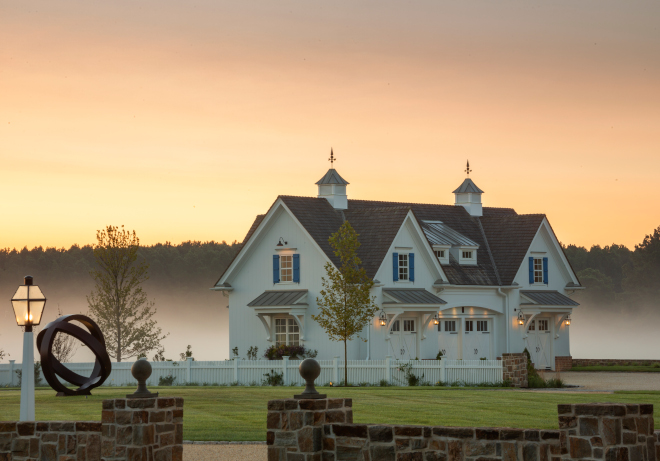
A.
x: 468, y: 195
x: 332, y: 187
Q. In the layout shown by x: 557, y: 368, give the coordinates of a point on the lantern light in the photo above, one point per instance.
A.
x: 436, y: 320
x: 568, y: 320
x: 28, y: 303
x: 521, y: 318
x: 383, y: 318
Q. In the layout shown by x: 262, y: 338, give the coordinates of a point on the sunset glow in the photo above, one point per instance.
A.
x: 184, y: 120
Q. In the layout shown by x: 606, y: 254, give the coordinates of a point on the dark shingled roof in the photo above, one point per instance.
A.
x: 509, y: 238
x: 272, y: 298
x: 412, y: 296
x: 503, y: 236
x: 547, y: 298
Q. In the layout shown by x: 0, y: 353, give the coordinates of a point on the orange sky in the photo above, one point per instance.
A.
x: 183, y: 120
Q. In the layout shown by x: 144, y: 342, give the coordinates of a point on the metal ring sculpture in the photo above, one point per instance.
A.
x: 52, y: 367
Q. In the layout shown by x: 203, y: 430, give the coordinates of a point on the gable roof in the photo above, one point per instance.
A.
x: 509, y: 238
x: 547, y: 298
x: 503, y: 236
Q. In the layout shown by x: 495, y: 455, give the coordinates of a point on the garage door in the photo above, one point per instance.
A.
x: 476, y: 339
x: 403, y: 339
x: 539, y: 345
x: 448, y: 335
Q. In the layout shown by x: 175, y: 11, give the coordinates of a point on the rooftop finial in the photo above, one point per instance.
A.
x: 468, y: 170
x: 332, y: 158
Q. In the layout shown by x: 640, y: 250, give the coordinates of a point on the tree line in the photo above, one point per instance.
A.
x: 617, y: 275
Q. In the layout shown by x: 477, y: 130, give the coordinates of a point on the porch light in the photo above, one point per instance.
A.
x: 521, y: 318
x: 383, y: 319
x: 436, y: 320
x: 281, y: 242
x: 568, y: 320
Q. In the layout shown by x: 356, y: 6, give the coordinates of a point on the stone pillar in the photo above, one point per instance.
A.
x: 563, y: 363
x: 295, y: 427
x: 142, y: 429
x: 515, y: 369
x: 613, y: 432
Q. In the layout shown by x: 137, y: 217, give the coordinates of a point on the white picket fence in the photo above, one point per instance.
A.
x: 251, y: 372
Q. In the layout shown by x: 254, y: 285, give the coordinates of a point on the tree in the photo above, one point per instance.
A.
x: 2, y: 354
x: 187, y: 353
x: 345, y: 305
x: 118, y: 303
x: 64, y: 345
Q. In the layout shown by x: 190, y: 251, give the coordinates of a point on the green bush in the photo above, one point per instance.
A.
x: 273, y: 378
x: 383, y: 383
x: 166, y: 380
x: 439, y: 356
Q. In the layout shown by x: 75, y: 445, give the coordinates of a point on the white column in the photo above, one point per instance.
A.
x: 285, y: 369
x: 27, y: 378
x: 188, y: 369
x: 11, y: 372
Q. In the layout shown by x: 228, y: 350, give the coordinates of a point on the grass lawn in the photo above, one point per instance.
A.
x: 239, y: 413
x: 626, y: 368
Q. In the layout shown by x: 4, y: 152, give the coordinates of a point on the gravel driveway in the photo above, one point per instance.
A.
x: 224, y: 452
x: 605, y: 381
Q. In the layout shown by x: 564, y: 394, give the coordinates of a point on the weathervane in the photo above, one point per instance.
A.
x: 468, y: 170
x: 332, y: 158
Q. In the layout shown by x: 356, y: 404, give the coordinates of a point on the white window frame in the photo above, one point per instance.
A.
x: 289, y: 258
x: 452, y: 321
x: 396, y: 327
x: 467, y: 254
x: 538, y: 272
x: 406, y: 326
x: 440, y: 254
x: 291, y: 331
x: 404, y: 269
x: 482, y: 326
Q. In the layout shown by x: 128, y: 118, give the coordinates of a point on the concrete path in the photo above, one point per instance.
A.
x: 224, y: 452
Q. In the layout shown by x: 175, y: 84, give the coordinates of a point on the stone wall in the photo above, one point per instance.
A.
x: 610, y: 362
x: 311, y: 430
x: 514, y: 367
x: 51, y: 440
x: 129, y: 430
x: 564, y: 363
x: 295, y: 427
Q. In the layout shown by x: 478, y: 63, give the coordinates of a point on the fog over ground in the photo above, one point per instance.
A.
x: 201, y: 320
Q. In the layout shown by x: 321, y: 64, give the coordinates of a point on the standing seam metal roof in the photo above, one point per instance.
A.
x: 278, y: 298
x: 438, y: 234
x: 332, y: 177
x: 548, y: 298
x: 412, y: 296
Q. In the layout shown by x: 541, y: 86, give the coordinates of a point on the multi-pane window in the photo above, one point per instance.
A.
x: 538, y: 270
x: 439, y: 253
x: 286, y: 268
x: 482, y: 325
x: 287, y: 332
x: 395, y: 326
x: 403, y: 267
x: 450, y: 326
x: 543, y: 325
x: 469, y: 325
x: 467, y: 255
x: 409, y: 325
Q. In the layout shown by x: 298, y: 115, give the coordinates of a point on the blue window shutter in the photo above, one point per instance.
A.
x: 531, y: 269
x: 395, y: 266
x: 276, y: 269
x: 411, y: 266
x: 545, y: 270
x: 296, y: 268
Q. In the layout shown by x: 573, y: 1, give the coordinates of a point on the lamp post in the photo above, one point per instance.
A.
x: 28, y: 303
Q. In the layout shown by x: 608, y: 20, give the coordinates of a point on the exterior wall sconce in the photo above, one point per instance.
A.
x: 568, y: 320
x: 281, y: 242
x: 436, y: 320
x: 383, y: 319
x: 521, y: 318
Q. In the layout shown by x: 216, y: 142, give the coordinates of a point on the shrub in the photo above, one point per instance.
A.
x: 252, y: 353
x: 383, y: 383
x: 166, y: 380
x: 294, y: 352
x: 655, y: 365
x: 273, y: 378
x: 439, y: 356
x: 413, y: 380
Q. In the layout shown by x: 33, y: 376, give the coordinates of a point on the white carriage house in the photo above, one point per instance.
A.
x: 473, y: 282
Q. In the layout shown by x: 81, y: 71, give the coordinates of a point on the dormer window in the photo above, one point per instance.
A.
x: 467, y: 255
x: 440, y: 254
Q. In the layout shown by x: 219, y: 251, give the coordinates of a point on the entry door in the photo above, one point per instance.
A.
x: 476, y: 339
x: 448, y: 333
x: 403, y: 339
x: 539, y: 343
